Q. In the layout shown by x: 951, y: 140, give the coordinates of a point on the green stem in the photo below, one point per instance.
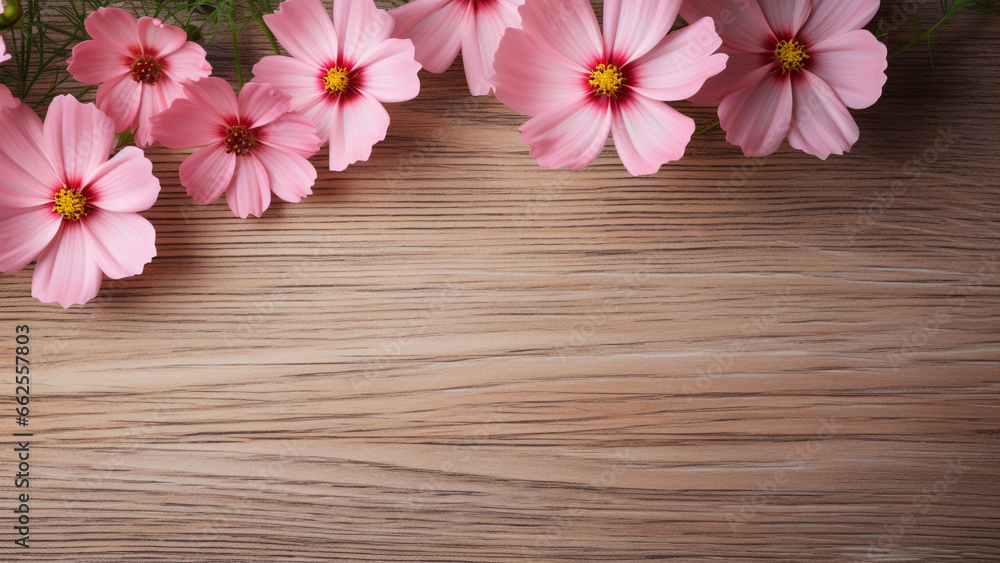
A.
x: 84, y: 92
x: 236, y: 45
x: 267, y: 32
x: 707, y: 128
x: 925, y: 36
x: 124, y: 139
x: 71, y: 34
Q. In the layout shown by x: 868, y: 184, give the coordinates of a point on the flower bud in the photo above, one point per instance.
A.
x: 193, y: 32
x: 11, y: 16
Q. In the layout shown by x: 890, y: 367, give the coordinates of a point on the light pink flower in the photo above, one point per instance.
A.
x: 253, y: 145
x: 141, y: 67
x: 63, y: 202
x: 440, y: 29
x: 579, y: 87
x: 341, y: 71
x: 794, y: 69
x: 7, y: 100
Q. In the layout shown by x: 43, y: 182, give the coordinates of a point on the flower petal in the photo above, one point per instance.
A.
x: 742, y: 71
x: 821, y: 125
x: 93, y: 62
x: 324, y: 114
x: 290, y: 176
x: 28, y: 178
x: 481, y: 40
x: 187, y: 63
x: 186, y: 125
x: 167, y: 91
x: 757, y: 118
x: 631, y: 32
x: 249, y: 193
x: 115, y: 29
x: 121, y: 243
x: 853, y: 64
x: 198, y: 118
x: 259, y: 104
x: 362, y: 123
x: 165, y: 94
x: 78, y: 138
x: 24, y: 234
x: 149, y: 107
x: 67, y: 272
x: 158, y: 39
x: 833, y: 17
x: 299, y: 79
x: 435, y: 27
x: 389, y: 72
x: 119, y: 98
x: 291, y: 132
x: 679, y: 65
x: 531, y: 80
x: 570, y: 135
x: 567, y: 29
x: 216, y: 96
x: 208, y: 172
x: 740, y: 23
x: 124, y: 184
x: 360, y: 25
x: 7, y: 100
x: 649, y: 133
x: 785, y: 17
x: 304, y: 29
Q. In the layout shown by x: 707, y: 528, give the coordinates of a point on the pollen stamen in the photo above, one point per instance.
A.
x: 146, y: 70
x: 240, y: 140
x: 606, y: 80
x: 791, y: 55
x: 337, y: 80
x: 70, y: 204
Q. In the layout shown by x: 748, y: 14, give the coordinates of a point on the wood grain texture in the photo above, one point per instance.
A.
x: 448, y: 353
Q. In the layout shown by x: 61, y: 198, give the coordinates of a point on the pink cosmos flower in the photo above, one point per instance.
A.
x: 579, y: 87
x: 440, y: 29
x: 795, y: 66
x: 253, y: 145
x: 7, y: 100
x: 63, y: 202
x: 141, y: 66
x: 341, y: 71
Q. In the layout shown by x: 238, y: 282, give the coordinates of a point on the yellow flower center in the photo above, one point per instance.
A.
x: 606, y: 80
x: 791, y: 55
x: 71, y: 205
x: 336, y: 80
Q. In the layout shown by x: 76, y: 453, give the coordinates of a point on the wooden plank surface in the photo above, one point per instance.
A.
x: 449, y: 353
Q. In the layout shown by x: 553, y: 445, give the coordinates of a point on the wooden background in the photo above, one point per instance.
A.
x: 449, y: 353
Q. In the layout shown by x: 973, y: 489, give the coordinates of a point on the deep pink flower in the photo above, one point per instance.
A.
x: 252, y: 145
x: 341, y: 71
x: 579, y: 87
x: 7, y: 100
x: 440, y: 29
x: 794, y: 69
x: 63, y: 202
x: 141, y: 66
